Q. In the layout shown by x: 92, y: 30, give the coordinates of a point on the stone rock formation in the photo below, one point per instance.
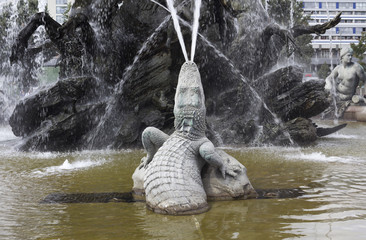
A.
x: 134, y: 58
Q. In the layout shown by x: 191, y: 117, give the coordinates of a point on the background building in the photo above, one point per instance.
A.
x: 57, y: 8
x: 349, y: 30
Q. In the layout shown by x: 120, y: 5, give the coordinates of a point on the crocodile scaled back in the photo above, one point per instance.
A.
x: 172, y: 181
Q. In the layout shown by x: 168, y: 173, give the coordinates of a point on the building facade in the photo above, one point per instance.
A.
x: 57, y: 9
x: 349, y: 30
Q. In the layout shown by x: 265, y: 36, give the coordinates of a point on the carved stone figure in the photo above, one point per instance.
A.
x: 342, y: 83
x: 346, y: 76
x: 111, y: 34
x: 171, y: 171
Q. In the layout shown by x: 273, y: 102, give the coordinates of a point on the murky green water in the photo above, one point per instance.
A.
x: 333, y: 173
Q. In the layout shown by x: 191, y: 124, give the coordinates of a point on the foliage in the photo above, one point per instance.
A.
x: 4, y: 21
x: 46, y: 10
x: 67, y: 12
x: 8, y: 30
x: 306, y: 50
x: 280, y: 11
x: 359, y: 49
x: 324, y: 71
x: 5, y: 15
x: 82, y: 3
x: 26, y: 10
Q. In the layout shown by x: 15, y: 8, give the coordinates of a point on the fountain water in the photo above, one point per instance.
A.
x: 18, y: 80
x: 334, y: 99
x: 196, y: 16
x: 292, y: 23
x: 25, y: 184
x: 111, y: 102
x: 146, y: 63
x: 256, y: 110
x: 173, y: 12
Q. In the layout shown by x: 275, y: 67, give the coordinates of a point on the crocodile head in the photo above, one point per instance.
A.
x: 189, y: 107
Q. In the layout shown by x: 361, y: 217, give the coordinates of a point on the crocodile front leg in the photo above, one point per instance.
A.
x: 210, y: 155
x: 152, y: 140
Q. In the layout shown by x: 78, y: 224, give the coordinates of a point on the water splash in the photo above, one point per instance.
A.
x: 236, y: 71
x: 126, y: 74
x: 177, y: 28
x: 321, y: 157
x: 66, y: 166
x: 6, y: 133
x: 330, y: 39
x: 19, y: 79
x: 196, y: 16
x: 292, y: 23
x: 333, y: 93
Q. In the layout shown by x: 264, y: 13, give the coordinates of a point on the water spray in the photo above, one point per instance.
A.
x: 196, y: 16
x: 173, y: 12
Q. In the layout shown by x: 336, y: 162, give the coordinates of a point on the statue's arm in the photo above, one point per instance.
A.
x: 152, y: 140
x: 361, y: 75
x: 210, y: 155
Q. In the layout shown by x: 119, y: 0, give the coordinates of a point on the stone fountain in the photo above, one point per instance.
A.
x: 126, y: 68
x: 119, y: 69
x: 342, y: 84
x: 170, y: 175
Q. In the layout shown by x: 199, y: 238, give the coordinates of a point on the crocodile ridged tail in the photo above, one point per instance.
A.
x: 173, y: 182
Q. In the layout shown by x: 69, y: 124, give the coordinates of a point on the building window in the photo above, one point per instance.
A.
x: 345, y: 5
x: 61, y: 2
x: 330, y: 5
x: 360, y: 13
x: 60, y: 19
x: 320, y: 4
x: 360, y: 5
x: 309, y: 5
x: 346, y: 21
x: 60, y: 10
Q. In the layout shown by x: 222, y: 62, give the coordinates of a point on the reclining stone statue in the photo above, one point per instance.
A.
x: 344, y: 80
x: 346, y: 76
x: 170, y: 174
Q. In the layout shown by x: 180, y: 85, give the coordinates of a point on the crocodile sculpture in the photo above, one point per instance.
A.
x: 172, y: 179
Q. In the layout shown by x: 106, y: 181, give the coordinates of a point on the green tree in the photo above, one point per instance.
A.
x: 46, y: 10
x: 359, y: 49
x: 67, y: 12
x: 324, y: 71
x: 6, y: 13
x: 26, y: 10
x: 306, y: 51
x: 280, y: 11
x: 8, y: 30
